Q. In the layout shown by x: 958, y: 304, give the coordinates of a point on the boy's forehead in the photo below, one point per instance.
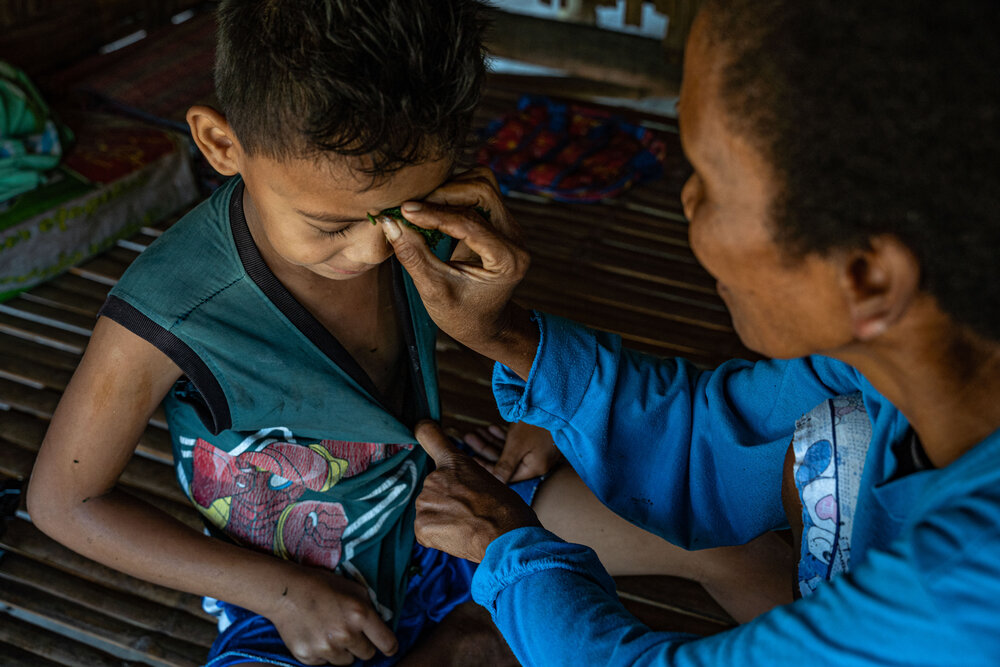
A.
x: 332, y: 186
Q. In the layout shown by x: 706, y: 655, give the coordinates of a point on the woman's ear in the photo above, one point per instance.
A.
x: 880, y: 283
x: 215, y: 139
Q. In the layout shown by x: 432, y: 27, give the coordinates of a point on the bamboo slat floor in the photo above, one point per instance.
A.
x: 623, y: 265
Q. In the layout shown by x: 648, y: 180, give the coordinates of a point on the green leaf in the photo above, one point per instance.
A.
x: 431, y: 236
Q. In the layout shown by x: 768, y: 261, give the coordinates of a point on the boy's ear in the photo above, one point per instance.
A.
x: 880, y: 284
x: 215, y: 139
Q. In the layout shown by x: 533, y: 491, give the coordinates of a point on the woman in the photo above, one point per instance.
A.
x: 845, y: 196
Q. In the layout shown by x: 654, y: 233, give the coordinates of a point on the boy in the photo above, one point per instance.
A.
x: 292, y: 358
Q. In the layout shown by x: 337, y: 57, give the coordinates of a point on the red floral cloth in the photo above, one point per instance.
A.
x: 568, y: 152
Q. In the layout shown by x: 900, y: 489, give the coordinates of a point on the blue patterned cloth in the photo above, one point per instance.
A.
x: 830, y: 445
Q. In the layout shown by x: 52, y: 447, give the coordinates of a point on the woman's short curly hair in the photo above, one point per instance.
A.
x: 394, y: 81
x: 879, y: 117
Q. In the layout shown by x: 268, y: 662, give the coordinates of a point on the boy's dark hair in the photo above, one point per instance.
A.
x: 395, y: 81
x: 879, y: 117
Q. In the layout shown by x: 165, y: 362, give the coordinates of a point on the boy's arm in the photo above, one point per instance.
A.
x: 72, y: 497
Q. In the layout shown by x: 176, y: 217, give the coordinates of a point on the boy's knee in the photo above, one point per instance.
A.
x: 473, y: 635
x: 466, y: 636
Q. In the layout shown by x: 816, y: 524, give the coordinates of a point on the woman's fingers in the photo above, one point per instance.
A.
x: 478, y: 188
x: 436, y: 443
x: 498, y: 253
x: 469, y: 297
x: 463, y: 254
x: 430, y: 275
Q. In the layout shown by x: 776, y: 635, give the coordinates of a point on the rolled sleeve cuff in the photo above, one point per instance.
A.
x: 559, y: 376
x: 524, y: 552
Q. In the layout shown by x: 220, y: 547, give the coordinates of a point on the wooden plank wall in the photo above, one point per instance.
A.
x: 680, y: 12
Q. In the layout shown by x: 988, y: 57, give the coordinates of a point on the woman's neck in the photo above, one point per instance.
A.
x: 942, y: 377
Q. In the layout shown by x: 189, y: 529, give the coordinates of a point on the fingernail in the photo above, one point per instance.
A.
x: 412, y: 206
x: 390, y: 228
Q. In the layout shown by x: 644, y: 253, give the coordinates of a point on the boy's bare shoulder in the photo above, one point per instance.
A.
x: 116, y: 351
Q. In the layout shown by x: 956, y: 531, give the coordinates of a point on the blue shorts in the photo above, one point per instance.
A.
x: 442, y: 583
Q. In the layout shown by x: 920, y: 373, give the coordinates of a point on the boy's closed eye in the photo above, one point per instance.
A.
x: 340, y: 231
x: 326, y: 221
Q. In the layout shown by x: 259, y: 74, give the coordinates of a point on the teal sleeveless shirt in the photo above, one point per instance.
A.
x: 280, y: 439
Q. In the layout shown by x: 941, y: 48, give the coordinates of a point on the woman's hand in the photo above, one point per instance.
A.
x: 469, y: 296
x: 326, y: 618
x: 515, y: 453
x: 462, y: 507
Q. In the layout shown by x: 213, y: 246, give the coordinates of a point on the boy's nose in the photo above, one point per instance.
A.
x: 371, y: 246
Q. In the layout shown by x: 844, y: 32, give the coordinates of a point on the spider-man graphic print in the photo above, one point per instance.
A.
x: 256, y: 496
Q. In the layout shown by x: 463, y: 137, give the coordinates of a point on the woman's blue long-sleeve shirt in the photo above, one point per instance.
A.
x: 696, y: 457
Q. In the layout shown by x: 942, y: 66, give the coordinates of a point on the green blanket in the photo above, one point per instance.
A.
x: 31, y: 141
